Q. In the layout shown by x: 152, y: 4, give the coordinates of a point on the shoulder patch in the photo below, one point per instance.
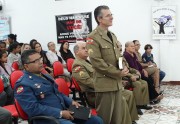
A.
x: 81, y: 73
x: 89, y: 40
x: 20, y: 89
x: 77, y: 68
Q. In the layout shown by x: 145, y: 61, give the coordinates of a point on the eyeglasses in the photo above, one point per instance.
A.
x: 36, y: 60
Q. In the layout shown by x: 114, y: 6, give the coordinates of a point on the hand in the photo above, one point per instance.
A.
x: 76, y: 104
x: 124, y: 72
x: 133, y: 78
x: 67, y: 115
x: 145, y: 73
x: 138, y: 73
x: 124, y: 82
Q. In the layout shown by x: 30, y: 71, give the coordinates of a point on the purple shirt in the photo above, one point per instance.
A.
x: 133, y: 61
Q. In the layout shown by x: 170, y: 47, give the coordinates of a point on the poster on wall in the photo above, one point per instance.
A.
x: 4, y: 27
x: 164, y: 22
x: 73, y: 27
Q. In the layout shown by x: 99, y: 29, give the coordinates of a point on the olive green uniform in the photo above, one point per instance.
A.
x: 104, y: 56
x: 82, y: 71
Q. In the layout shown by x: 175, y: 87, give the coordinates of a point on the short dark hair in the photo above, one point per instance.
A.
x: 147, y: 46
x: 3, y: 43
x: 25, y: 55
x: 134, y: 41
x: 97, y: 12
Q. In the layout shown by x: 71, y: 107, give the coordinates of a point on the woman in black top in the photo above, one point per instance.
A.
x: 65, y: 52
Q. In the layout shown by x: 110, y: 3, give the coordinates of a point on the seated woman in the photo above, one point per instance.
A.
x: 14, y: 56
x: 65, y: 52
x: 54, y: 55
x: 6, y: 97
x: 37, y: 47
x: 147, y: 57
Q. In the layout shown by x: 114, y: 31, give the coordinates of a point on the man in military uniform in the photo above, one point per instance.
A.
x: 140, y: 87
x: 37, y: 93
x: 104, y: 56
x: 82, y: 71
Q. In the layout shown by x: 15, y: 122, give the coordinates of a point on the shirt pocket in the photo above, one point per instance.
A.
x: 106, y: 50
x: 42, y: 92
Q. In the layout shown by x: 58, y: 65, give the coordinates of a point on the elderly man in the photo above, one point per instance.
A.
x: 82, y: 71
x: 37, y: 93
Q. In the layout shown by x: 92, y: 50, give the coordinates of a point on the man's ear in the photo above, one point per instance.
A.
x: 26, y: 67
x: 99, y: 19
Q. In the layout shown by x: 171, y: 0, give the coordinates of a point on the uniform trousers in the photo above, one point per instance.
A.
x: 5, y: 116
x: 112, y: 107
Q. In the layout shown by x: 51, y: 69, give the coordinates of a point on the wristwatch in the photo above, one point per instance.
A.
x: 60, y: 114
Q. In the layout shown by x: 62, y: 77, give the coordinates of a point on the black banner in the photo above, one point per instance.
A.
x: 73, y: 27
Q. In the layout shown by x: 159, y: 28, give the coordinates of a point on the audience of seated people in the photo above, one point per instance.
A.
x: 147, y: 58
x: 65, y: 52
x: 131, y: 58
x: 143, y: 74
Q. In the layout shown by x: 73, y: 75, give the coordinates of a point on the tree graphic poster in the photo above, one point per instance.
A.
x: 164, y: 22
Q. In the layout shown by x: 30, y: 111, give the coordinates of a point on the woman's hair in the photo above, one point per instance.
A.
x: 61, y: 48
x: 12, y: 36
x: 32, y: 42
x: 23, y: 46
x: 13, y: 46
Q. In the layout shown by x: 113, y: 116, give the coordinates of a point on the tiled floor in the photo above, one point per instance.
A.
x: 166, y: 112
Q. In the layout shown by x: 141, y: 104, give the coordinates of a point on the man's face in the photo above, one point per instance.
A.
x: 82, y: 52
x: 130, y: 48
x: 52, y: 46
x: 35, y: 64
x: 137, y: 45
x: 106, y: 19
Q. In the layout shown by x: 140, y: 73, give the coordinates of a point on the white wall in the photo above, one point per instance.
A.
x: 132, y: 20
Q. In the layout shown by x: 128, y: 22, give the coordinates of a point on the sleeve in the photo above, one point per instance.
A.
x: 98, y: 62
x: 82, y: 76
x: 29, y: 103
x: 144, y: 58
x: 50, y: 57
x: 10, y: 60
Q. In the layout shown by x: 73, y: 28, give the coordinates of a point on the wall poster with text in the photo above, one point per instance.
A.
x: 4, y: 27
x: 164, y: 22
x: 73, y: 27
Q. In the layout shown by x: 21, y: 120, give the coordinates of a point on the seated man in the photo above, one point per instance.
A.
x: 147, y: 57
x: 151, y: 70
x: 37, y: 93
x: 5, y: 116
x: 82, y: 71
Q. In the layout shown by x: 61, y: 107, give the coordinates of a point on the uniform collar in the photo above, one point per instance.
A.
x: 103, y: 33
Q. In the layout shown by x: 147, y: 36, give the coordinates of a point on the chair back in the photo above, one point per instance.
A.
x: 76, y: 84
x: 62, y: 86
x: 1, y: 86
x: 15, y: 65
x: 58, y: 69
x: 21, y: 112
x: 15, y: 75
x: 69, y: 64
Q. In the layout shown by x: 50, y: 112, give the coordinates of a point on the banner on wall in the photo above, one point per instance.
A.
x: 73, y: 27
x: 164, y: 22
x: 4, y: 27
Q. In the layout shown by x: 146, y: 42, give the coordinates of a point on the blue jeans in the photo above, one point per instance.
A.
x: 161, y: 75
x: 92, y: 120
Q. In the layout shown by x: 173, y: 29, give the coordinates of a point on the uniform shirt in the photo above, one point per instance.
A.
x: 39, y: 96
x: 82, y: 71
x: 104, y: 55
